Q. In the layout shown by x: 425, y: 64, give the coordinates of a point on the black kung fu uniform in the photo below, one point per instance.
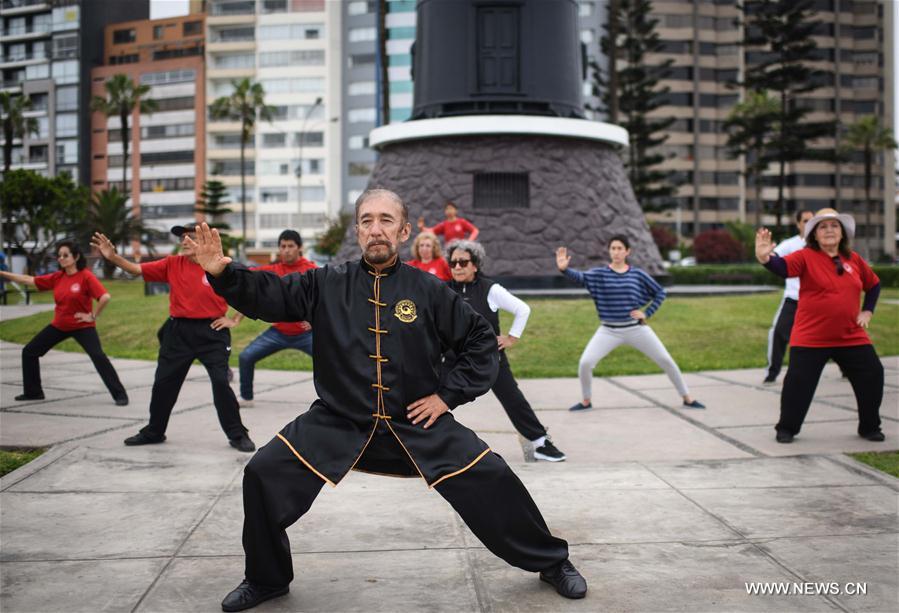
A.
x: 379, y: 338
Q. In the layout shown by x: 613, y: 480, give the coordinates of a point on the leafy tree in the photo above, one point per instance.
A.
x: 39, y: 211
x: 751, y: 125
x: 329, y: 242
x: 123, y: 96
x: 780, y: 32
x: 717, y: 246
x: 870, y: 137
x: 15, y: 124
x: 665, y: 239
x: 111, y: 214
x: 245, y: 104
x: 629, y: 93
x: 213, y: 205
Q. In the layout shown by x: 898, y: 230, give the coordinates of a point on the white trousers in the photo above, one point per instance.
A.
x: 641, y: 338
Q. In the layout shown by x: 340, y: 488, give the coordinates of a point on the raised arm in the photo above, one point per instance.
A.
x: 16, y: 278
x: 563, y: 259
x: 108, y: 251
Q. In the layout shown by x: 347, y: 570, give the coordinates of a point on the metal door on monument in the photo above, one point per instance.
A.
x: 498, y: 50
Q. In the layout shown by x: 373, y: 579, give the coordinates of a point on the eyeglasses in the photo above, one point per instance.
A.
x: 838, y: 264
x: 459, y: 263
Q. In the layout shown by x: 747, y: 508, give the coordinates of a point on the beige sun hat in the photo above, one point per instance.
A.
x: 847, y: 221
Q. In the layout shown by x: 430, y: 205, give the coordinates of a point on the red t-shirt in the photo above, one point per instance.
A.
x: 73, y: 294
x: 453, y: 230
x: 829, y: 302
x: 437, y: 267
x: 290, y: 328
x: 190, y: 294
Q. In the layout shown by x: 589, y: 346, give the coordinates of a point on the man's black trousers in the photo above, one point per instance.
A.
x: 181, y: 341
x: 48, y: 338
x: 859, y: 363
x: 278, y: 489
x: 779, y: 336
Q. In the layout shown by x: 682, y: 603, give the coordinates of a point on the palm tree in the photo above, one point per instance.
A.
x: 750, y: 127
x: 110, y: 215
x: 245, y: 104
x: 15, y: 124
x: 122, y: 96
x: 870, y: 137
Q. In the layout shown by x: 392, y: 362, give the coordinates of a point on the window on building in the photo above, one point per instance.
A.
x: 586, y: 8
x: 359, y: 35
x: 273, y: 140
x: 361, y: 88
x: 274, y: 6
x: 129, y: 58
x: 65, y: 72
x: 36, y: 71
x: 120, y: 37
x: 67, y: 98
x: 309, y: 139
x: 67, y: 152
x: 166, y: 185
x: 192, y: 28
x: 43, y: 127
x: 296, y: 31
x: 175, y: 104
x: 361, y: 59
x: 360, y: 115
x: 358, y: 142
x: 233, y: 35
x: 158, y: 32
x: 39, y: 102
x: 65, y: 47
x: 167, y: 131
x: 495, y: 190
x: 66, y: 125
x: 166, y: 157
x: 168, y: 54
x: 234, y: 60
x: 167, y: 76
x: 226, y: 141
x: 38, y: 154
x: 313, y: 194
x: 312, y: 57
x: 273, y: 194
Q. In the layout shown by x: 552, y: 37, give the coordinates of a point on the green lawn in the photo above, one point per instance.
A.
x: 709, y: 333
x: 11, y: 460
x: 884, y: 461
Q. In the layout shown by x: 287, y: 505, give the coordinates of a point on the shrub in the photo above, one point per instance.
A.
x: 723, y: 274
x: 889, y: 274
x: 664, y: 239
x: 717, y: 246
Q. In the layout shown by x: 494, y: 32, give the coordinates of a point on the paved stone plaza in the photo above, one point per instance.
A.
x: 666, y: 509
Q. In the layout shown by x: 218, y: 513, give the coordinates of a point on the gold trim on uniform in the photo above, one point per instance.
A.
x: 405, y: 311
x: 303, y: 460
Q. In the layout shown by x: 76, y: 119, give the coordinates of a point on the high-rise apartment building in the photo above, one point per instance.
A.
x: 854, y: 39
x: 167, y: 148
x: 292, y: 48
x: 47, y: 50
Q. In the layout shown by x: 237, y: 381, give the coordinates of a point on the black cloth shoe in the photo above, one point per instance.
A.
x: 247, y: 595
x: 142, y: 438
x: 581, y: 407
x: 565, y: 578
x: 121, y: 402
x: 30, y: 397
x: 242, y: 443
x: 784, y: 437
x: 693, y: 405
x: 770, y: 380
x: 874, y: 437
x: 549, y: 452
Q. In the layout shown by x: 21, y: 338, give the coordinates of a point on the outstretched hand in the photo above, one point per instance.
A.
x: 763, y: 245
x: 562, y: 258
x: 208, y: 250
x: 103, y: 245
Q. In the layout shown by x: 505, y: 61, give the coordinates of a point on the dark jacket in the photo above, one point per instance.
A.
x: 378, y: 342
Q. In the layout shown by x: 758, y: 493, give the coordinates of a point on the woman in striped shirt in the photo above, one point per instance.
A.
x: 620, y: 293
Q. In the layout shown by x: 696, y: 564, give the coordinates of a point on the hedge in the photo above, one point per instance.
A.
x: 754, y: 274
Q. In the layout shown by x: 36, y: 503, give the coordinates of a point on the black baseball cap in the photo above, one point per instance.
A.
x: 181, y: 230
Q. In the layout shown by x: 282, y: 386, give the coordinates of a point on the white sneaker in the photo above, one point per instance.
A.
x: 246, y: 403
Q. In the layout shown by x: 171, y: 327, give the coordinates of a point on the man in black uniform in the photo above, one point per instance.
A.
x: 380, y: 330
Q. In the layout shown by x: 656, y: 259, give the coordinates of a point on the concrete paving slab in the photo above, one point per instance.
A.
x: 807, y: 511
x: 846, y: 560
x: 88, y: 586
x: 651, y: 577
x: 92, y: 405
x: 8, y: 392
x: 889, y: 407
x: 803, y: 471
x: 36, y: 430
x: 376, y: 581
x: 151, y: 468
x: 94, y: 525
x: 660, y: 381
x: 300, y: 394
x: 816, y: 437
x: 562, y: 393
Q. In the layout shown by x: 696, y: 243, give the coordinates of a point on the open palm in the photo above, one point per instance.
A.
x: 207, y: 249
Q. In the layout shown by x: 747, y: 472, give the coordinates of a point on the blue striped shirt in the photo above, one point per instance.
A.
x: 616, y: 294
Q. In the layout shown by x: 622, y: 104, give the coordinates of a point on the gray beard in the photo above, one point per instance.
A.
x: 374, y: 257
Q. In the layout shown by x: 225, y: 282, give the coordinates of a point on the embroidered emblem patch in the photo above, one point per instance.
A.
x: 405, y: 311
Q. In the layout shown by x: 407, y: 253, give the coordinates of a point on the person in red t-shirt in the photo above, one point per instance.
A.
x: 193, y: 331
x: 453, y: 227
x: 427, y: 256
x: 74, y: 290
x: 281, y: 335
x: 829, y: 323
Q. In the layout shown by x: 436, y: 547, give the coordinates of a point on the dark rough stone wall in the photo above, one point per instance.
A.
x: 579, y: 197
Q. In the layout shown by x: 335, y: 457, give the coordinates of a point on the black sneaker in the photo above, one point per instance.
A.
x: 565, y: 578
x: 142, y: 438
x: 784, y: 437
x: 22, y: 397
x: 122, y: 402
x: 247, y: 595
x: 770, y: 380
x: 875, y: 437
x: 549, y: 452
x: 243, y: 443
x: 581, y: 407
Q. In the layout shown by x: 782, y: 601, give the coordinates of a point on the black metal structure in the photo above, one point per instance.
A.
x: 476, y: 57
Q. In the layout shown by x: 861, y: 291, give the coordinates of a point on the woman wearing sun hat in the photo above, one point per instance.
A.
x: 829, y: 323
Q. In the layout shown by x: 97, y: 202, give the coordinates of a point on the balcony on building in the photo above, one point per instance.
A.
x: 23, y: 7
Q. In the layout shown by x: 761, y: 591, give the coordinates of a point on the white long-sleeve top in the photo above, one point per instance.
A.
x: 500, y: 298
x: 785, y: 248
